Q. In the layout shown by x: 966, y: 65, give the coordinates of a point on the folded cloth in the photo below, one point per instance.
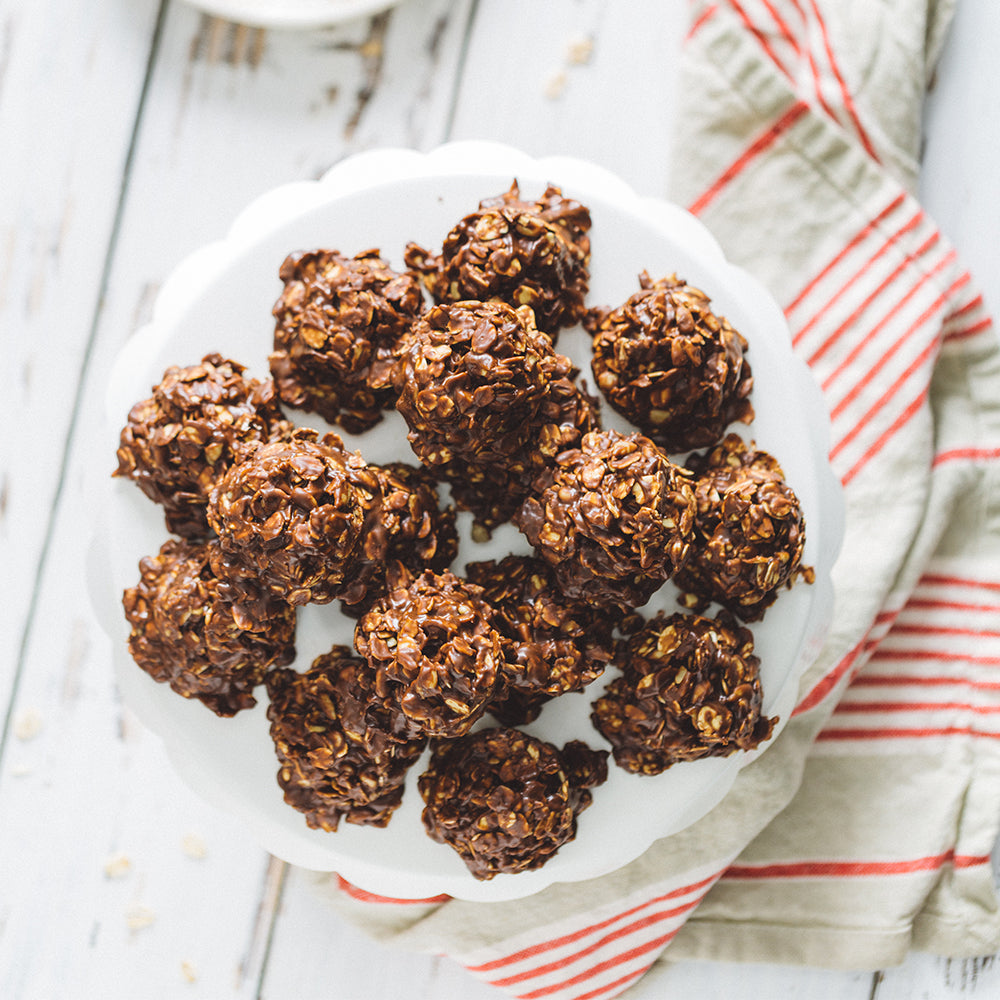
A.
x: 866, y: 829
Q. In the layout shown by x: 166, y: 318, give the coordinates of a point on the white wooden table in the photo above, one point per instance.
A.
x: 132, y: 132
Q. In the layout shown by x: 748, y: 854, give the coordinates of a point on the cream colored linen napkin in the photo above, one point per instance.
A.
x: 867, y: 828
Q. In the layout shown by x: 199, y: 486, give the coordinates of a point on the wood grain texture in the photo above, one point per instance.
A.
x: 116, y: 881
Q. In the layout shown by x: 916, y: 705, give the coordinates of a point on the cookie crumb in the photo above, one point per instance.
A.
x: 555, y: 86
x: 189, y: 972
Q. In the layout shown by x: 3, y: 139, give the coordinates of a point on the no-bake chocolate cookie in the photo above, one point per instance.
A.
x: 749, y: 531
x: 434, y: 650
x: 338, y: 324
x: 506, y: 801
x: 690, y: 688
x: 198, y: 421
x: 291, y: 516
x: 615, y: 520
x: 329, y: 729
x: 670, y: 365
x: 186, y: 634
x: 526, y: 253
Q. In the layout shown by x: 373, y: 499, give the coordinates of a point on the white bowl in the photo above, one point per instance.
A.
x: 291, y: 13
x: 220, y: 300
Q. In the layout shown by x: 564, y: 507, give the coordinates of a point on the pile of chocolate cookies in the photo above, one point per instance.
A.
x: 267, y: 517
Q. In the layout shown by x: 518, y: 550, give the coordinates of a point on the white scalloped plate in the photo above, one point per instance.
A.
x: 291, y: 13
x: 220, y: 299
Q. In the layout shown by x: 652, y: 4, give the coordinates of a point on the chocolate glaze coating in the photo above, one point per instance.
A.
x: 329, y: 730
x: 668, y: 364
x: 338, y: 324
x: 186, y: 634
x: 749, y: 531
x: 199, y: 420
x: 506, y: 801
x: 690, y: 688
x: 525, y: 253
x: 615, y: 520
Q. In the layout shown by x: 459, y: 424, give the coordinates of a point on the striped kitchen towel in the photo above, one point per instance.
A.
x: 867, y: 828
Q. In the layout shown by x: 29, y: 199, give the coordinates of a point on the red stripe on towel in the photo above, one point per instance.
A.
x: 703, y: 885
x: 362, y: 895
x: 842, y: 869
x: 888, y: 282
x: 761, y: 37
x: 859, y: 238
x: 763, y: 142
x: 848, y: 99
x: 572, y: 959
x: 610, y: 963
x: 967, y: 455
x: 702, y: 18
x: 890, y: 349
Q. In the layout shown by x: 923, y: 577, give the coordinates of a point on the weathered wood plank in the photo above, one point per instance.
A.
x: 68, y: 73
x: 777, y: 982
x: 314, y: 947
x: 575, y: 77
x: 234, y: 112
x: 941, y: 979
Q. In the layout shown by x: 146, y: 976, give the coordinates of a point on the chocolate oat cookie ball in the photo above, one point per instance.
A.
x: 749, y: 531
x: 329, y: 733
x: 506, y: 801
x: 186, y: 634
x: 474, y: 385
x: 568, y: 413
x: 690, y: 688
x: 614, y: 522
x: 291, y: 516
x: 527, y: 253
x: 338, y: 323
x: 435, y: 652
x: 670, y: 365
x: 472, y: 379
x: 198, y: 421
x: 552, y: 643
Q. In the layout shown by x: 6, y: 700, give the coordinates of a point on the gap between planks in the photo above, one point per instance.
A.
x: 254, y: 964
